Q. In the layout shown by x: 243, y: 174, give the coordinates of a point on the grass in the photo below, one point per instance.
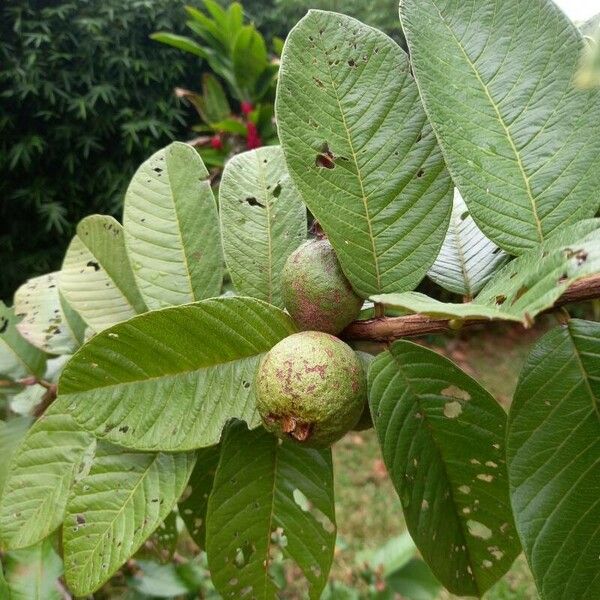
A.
x: 368, y: 511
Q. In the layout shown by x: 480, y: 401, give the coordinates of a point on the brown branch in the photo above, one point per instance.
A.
x: 47, y: 399
x: 387, y: 329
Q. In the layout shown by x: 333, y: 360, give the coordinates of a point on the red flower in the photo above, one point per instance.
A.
x: 247, y: 107
x: 252, y: 137
x: 216, y: 142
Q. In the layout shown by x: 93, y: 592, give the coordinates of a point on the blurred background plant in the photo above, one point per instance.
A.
x: 241, y: 72
x: 85, y: 98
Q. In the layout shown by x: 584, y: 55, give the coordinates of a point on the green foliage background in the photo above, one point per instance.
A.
x: 277, y: 17
x: 85, y: 97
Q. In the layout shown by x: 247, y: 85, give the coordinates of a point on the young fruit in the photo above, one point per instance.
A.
x: 316, y: 292
x: 311, y: 388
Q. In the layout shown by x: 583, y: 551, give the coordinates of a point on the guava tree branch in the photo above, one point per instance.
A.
x: 387, y: 329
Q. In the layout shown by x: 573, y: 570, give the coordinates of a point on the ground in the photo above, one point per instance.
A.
x: 368, y: 511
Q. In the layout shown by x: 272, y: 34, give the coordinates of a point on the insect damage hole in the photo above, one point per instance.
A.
x: 325, y: 159
x: 252, y: 201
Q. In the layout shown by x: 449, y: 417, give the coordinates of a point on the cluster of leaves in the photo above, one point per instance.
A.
x: 85, y: 98
x: 156, y: 410
x: 237, y: 56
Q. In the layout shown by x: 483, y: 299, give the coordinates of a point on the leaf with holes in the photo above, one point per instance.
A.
x: 534, y: 281
x: 171, y: 229
x: 193, y: 507
x: 40, y: 475
x: 415, y: 302
x: 115, y: 508
x: 553, y: 455
x: 96, y: 278
x: 279, y: 506
x: 171, y: 379
x: 522, y: 143
x: 467, y: 258
x: 263, y: 220
x: 32, y: 573
x: 47, y: 321
x: 18, y: 358
x: 361, y: 152
x: 442, y: 440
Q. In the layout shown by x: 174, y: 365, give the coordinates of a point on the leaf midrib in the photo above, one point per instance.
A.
x: 364, y: 196
x: 524, y: 175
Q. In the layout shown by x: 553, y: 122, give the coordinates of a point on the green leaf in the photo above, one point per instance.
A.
x: 416, y: 302
x: 361, y: 152
x: 181, y: 42
x: 193, y: 508
x: 467, y: 258
x: 171, y: 229
x: 521, y: 142
x: 215, y: 100
x: 18, y: 358
x: 263, y: 220
x: 44, y: 323
x: 32, y: 573
x: 414, y: 581
x: 50, y: 457
x: 442, y: 440
x: 11, y: 434
x: 171, y: 379
x: 279, y: 504
x: 96, y: 278
x: 392, y: 556
x: 250, y: 59
x: 535, y: 280
x: 553, y: 450
x: 588, y: 75
x: 115, y: 508
x: 526, y: 286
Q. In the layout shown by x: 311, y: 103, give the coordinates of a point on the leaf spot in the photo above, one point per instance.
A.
x: 455, y: 392
x: 452, y: 409
x: 479, y: 530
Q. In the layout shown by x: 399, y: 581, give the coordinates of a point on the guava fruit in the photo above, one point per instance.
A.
x: 316, y: 292
x: 311, y: 388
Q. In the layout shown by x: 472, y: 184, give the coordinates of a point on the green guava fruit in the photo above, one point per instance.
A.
x: 310, y: 388
x: 316, y: 292
x: 365, y: 421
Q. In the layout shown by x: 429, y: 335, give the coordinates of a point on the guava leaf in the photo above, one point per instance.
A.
x: 525, y: 287
x: 534, y: 281
x: 280, y: 504
x: 416, y: 302
x: 521, y: 142
x: 172, y: 230
x: 193, y: 508
x: 115, y: 508
x: 11, y: 434
x: 361, y: 152
x: 467, y: 258
x: 171, y: 379
x: 442, y: 441
x: 263, y: 220
x: 553, y: 450
x: 96, y: 278
x: 32, y: 573
x: 44, y: 323
x: 18, y: 358
x: 40, y: 476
